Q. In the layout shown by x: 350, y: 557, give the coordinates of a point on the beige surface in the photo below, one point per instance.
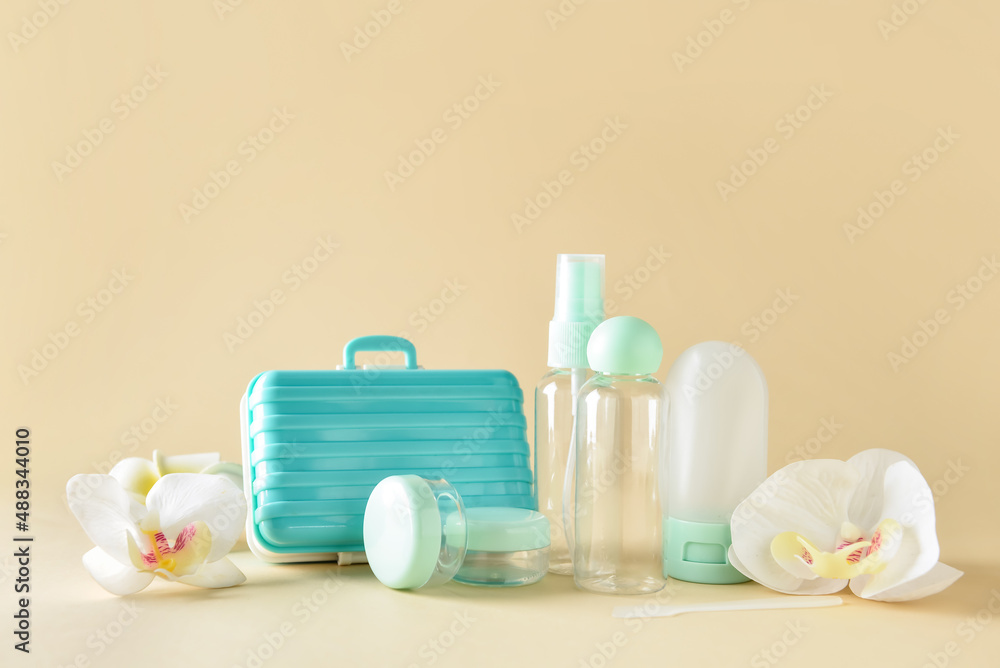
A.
x: 438, y: 256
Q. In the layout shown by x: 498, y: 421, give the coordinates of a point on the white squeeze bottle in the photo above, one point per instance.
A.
x: 579, y: 309
x: 716, y: 458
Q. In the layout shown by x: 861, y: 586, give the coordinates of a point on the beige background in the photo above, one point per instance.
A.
x: 447, y: 231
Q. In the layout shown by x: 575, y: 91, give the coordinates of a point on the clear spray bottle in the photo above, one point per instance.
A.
x: 579, y: 309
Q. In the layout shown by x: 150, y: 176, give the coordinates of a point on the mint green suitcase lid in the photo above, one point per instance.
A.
x: 315, y: 444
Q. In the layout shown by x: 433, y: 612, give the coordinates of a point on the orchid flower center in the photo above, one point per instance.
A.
x: 854, y: 554
x: 184, y: 556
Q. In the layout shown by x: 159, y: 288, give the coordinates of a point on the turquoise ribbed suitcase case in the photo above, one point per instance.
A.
x: 315, y: 444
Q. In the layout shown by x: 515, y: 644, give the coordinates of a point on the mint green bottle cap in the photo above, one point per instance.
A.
x: 506, y: 529
x: 625, y: 346
x: 698, y: 552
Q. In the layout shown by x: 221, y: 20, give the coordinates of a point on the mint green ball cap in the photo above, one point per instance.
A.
x: 625, y: 346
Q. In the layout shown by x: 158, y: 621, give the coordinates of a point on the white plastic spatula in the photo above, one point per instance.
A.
x: 631, y: 611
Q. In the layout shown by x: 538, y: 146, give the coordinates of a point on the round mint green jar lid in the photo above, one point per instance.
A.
x: 505, y: 529
x: 403, y: 531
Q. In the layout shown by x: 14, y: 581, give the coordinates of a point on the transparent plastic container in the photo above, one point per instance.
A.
x: 579, y: 307
x: 418, y: 533
x: 621, y: 432
x: 553, y: 436
x: 507, y: 547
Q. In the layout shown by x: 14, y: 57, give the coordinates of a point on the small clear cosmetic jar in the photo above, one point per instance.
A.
x: 419, y: 533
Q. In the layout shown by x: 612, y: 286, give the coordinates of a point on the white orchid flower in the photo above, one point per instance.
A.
x: 817, y: 525
x: 138, y: 475
x: 189, y: 524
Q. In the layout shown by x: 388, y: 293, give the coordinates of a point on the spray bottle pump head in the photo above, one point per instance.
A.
x: 579, y: 309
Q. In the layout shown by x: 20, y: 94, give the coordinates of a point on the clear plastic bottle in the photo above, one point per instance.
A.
x: 579, y: 308
x: 553, y: 435
x: 620, y: 437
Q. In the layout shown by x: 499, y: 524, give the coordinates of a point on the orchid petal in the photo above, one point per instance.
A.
x: 135, y: 474
x: 227, y: 469
x: 809, y: 498
x: 215, y: 575
x: 795, y: 554
x: 938, y: 578
x: 869, y: 496
x: 194, y: 463
x: 192, y: 547
x: 178, y: 499
x: 737, y: 564
x: 114, y: 576
x: 105, y: 511
x: 909, y: 501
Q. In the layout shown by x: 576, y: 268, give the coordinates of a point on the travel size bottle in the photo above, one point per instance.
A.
x: 579, y: 309
x: 717, y: 457
x: 620, y: 434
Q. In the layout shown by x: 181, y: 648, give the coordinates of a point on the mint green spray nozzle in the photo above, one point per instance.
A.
x: 579, y: 309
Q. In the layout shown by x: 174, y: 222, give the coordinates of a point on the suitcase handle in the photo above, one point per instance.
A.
x: 380, y: 342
